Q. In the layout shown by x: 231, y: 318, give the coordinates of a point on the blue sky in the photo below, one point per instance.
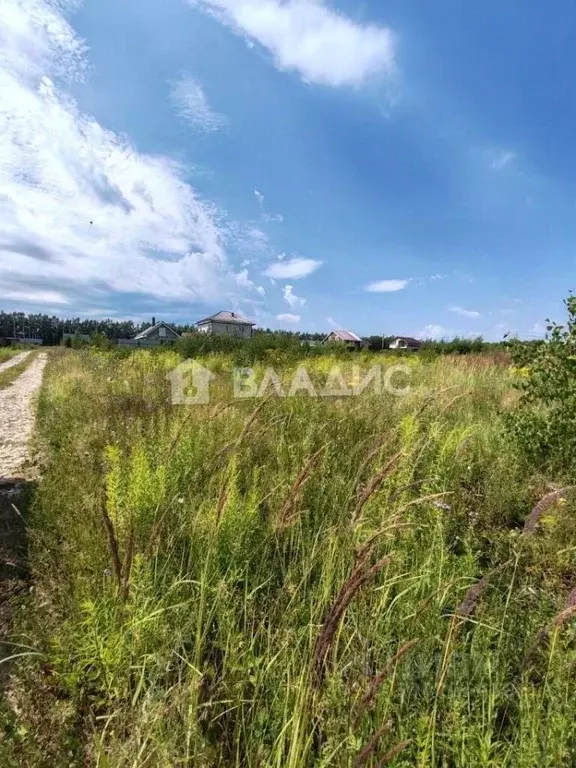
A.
x: 386, y: 167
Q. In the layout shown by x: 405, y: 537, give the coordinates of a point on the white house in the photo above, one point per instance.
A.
x: 406, y: 342
x: 224, y: 322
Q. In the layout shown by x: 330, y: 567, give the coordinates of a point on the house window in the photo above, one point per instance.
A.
x: 162, y: 332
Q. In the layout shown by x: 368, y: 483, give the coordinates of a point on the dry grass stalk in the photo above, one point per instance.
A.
x: 364, y: 552
x: 252, y: 419
x: 559, y: 620
x: 466, y: 607
x: 380, y: 443
x: 359, y: 577
x: 424, y: 499
x: 222, y: 499
x: 286, y: 516
x: 121, y: 567
x: 571, y: 601
x: 369, y: 748
x: 545, y: 503
x: 432, y: 398
x: 392, y: 753
x: 127, y: 564
x: 374, y: 485
x: 377, y: 681
x: 451, y: 402
x: 236, y: 443
x: 113, y: 547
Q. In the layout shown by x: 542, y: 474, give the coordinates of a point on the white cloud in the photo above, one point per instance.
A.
x: 81, y: 211
x: 288, y: 318
x: 292, y: 269
x: 502, y: 158
x: 306, y: 36
x: 32, y: 297
x: 334, y: 323
x: 291, y: 299
x: 269, y: 218
x: 432, y: 332
x: 387, y: 286
x: 465, y: 312
x: 538, y: 329
x: 191, y: 104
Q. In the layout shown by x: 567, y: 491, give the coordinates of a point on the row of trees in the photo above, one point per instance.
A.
x: 51, y: 329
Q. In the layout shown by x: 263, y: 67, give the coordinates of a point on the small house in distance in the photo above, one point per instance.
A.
x: 406, y: 342
x: 224, y: 322
x: 347, y: 338
x: 156, y: 334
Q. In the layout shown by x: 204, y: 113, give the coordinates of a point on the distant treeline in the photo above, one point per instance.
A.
x: 52, y: 329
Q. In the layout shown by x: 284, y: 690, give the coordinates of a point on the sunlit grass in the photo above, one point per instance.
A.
x: 254, y: 583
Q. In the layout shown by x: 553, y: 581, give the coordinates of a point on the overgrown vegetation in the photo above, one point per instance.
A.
x: 545, y: 423
x: 9, y: 375
x: 291, y: 582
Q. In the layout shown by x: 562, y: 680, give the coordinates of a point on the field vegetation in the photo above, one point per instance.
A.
x: 289, y: 582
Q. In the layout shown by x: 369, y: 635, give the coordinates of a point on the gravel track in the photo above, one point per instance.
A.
x: 17, y: 415
x: 13, y: 361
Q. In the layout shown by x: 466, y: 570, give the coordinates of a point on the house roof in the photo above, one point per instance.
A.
x: 344, y: 335
x: 147, y: 331
x: 409, y: 340
x: 224, y: 316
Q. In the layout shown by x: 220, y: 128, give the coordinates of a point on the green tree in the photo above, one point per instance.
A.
x: 544, y: 424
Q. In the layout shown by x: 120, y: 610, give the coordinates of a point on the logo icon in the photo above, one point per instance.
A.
x: 190, y: 383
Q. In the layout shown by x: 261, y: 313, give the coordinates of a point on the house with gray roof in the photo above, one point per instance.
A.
x: 343, y: 337
x: 406, y: 342
x: 153, y: 336
x: 226, y: 322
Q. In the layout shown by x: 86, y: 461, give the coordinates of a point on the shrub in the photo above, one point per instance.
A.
x: 544, y: 424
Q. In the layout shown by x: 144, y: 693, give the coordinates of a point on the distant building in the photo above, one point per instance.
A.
x: 406, y: 342
x: 29, y: 340
x: 343, y: 337
x: 85, y: 337
x: 156, y: 334
x: 226, y: 323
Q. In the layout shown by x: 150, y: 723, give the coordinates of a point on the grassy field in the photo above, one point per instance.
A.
x: 7, y: 353
x: 10, y: 375
x: 290, y: 582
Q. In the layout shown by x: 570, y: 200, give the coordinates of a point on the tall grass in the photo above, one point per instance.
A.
x: 295, y: 582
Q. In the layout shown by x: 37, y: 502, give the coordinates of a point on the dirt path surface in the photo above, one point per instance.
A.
x: 17, y: 415
x: 16, y: 490
x: 13, y: 361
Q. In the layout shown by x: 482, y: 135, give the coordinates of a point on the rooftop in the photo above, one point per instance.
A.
x: 345, y: 335
x: 224, y: 316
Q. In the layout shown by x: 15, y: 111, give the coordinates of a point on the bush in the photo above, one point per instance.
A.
x: 544, y: 425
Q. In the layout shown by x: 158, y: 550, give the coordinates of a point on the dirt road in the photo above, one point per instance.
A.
x: 13, y: 361
x: 17, y: 415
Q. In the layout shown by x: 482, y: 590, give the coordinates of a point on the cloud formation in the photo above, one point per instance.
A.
x: 308, y: 37
x: 190, y: 102
x: 432, y: 332
x: 288, y: 318
x: 472, y: 313
x: 265, y: 215
x: 292, y: 269
x: 291, y: 299
x: 387, y: 286
x: 81, y: 211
